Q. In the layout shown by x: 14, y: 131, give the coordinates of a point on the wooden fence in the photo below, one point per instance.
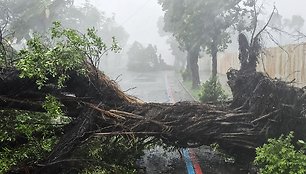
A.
x: 287, y: 63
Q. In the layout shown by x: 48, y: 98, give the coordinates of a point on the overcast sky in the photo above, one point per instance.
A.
x: 139, y: 17
x: 290, y: 7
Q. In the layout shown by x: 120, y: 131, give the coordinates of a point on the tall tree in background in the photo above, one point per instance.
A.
x: 176, y: 51
x: 28, y: 16
x: 88, y: 16
x: 176, y: 22
x: 202, y: 24
x: 296, y: 23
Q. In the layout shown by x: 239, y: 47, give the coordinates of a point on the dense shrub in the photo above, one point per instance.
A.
x: 281, y: 157
x: 211, y: 91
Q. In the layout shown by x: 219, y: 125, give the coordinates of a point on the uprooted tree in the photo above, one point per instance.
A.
x: 93, y: 106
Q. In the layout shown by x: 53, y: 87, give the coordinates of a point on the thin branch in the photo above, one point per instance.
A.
x: 276, y: 42
x: 130, y: 89
x: 126, y: 133
x: 116, y: 79
x: 66, y: 160
x: 256, y: 21
x: 264, y: 66
x: 285, y: 32
x: 266, y: 25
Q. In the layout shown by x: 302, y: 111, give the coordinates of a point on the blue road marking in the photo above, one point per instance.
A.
x: 188, y: 161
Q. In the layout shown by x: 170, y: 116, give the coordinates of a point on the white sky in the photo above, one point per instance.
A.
x: 139, y: 17
x: 290, y: 7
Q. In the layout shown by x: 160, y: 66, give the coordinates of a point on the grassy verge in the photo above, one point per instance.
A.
x: 194, y: 92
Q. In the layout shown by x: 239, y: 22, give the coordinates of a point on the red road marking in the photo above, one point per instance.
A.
x: 194, y: 160
x: 196, y: 165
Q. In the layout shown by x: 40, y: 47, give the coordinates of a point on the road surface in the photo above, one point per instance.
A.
x: 164, y: 87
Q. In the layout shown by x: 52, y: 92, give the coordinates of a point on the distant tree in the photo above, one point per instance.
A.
x: 27, y: 16
x: 176, y: 21
x: 111, y: 28
x: 287, y: 29
x: 144, y: 58
x: 88, y: 16
x: 296, y: 23
x: 150, y: 56
x: 203, y: 24
x: 180, y: 56
x: 176, y: 51
x: 134, y: 55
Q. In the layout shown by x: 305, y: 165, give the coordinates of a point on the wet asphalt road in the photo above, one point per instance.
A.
x: 154, y: 87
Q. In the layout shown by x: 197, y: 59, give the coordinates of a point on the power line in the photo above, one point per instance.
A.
x: 135, y: 13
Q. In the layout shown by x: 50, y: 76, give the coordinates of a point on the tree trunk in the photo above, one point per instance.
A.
x: 194, y: 57
x: 214, y: 52
x: 187, y: 74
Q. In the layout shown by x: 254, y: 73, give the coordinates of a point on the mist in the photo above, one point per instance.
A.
x: 152, y: 86
x: 139, y: 18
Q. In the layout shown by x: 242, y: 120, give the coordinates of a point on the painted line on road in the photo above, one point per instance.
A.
x: 169, y: 90
x: 188, y: 161
x: 195, y: 162
x: 192, y: 164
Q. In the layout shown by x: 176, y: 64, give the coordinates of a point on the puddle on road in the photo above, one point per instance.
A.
x: 160, y: 161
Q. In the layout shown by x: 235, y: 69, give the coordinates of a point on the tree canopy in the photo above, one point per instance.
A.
x: 145, y: 58
x: 203, y: 25
x: 27, y: 17
x: 176, y: 51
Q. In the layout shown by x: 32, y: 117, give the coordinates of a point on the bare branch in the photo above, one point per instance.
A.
x: 276, y: 42
x: 255, y: 22
x: 266, y: 25
x: 125, y: 133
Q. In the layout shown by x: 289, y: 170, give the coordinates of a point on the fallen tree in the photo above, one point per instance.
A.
x: 261, y: 108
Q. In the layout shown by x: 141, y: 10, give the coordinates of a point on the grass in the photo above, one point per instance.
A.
x: 194, y: 92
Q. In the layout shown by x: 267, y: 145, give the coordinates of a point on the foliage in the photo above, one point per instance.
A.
x: 144, y: 58
x: 212, y: 91
x: 53, y: 107
x: 202, y: 24
x: 7, y: 52
x: 89, y: 16
x: 296, y: 23
x: 176, y: 51
x: 29, y: 136
x: 280, y: 156
x: 194, y: 92
x: 66, y: 51
x: 27, y: 16
x: 185, y: 75
x: 112, y: 154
